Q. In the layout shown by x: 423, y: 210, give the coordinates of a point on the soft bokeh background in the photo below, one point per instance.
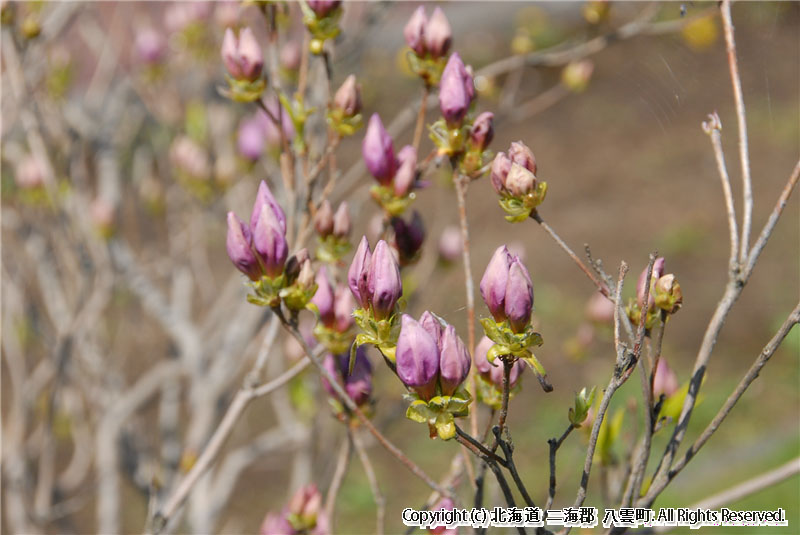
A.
x: 629, y: 171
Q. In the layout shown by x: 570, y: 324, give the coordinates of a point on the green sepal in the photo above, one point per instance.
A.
x: 342, y: 125
x: 445, y: 426
x: 296, y: 297
x: 391, y: 203
x: 497, y: 350
x: 243, y: 90
x: 334, y: 341
x: 427, y: 68
x: 418, y: 412
x: 520, y: 207
x: 321, y: 28
x: 490, y: 395
x: 331, y: 249
x: 533, y: 362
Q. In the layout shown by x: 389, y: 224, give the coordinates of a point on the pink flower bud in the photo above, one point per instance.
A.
x: 455, y: 91
x: 600, y: 309
x: 238, y: 246
x: 348, y: 97
x: 384, y: 284
x: 323, y: 219
x: 482, y: 131
x: 450, y: 244
x: 519, y: 296
x: 265, y: 197
x: 306, y: 277
x: 521, y: 154
x: 408, y: 237
x: 494, y: 282
x: 519, y: 180
x: 665, y: 381
x: 406, y: 174
x: 438, y: 34
x: 454, y: 361
x: 414, y: 31
x: 447, y: 504
x: 324, y: 299
x: 150, y: 45
x: 501, y: 165
x: 378, y: 151
x: 291, y: 55
x: 432, y: 325
x: 243, y: 57
x: 269, y: 242
x: 343, y: 306
x: 417, y: 358
x: 323, y: 8
x: 341, y: 221
x: 250, y: 138
x: 358, y: 384
x: 658, y: 271
x: 494, y: 374
x: 358, y: 272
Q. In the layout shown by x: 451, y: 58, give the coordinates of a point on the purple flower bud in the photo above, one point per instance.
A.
x: 521, y: 154
x: 384, y: 284
x: 519, y: 296
x: 238, y: 246
x: 417, y: 358
x: 378, y: 151
x: 322, y: 8
x: 482, y: 131
x: 501, y: 165
x: 243, y: 57
x: 494, y: 282
x: 406, y: 174
x: 454, y: 361
x: 150, y: 45
x: 265, y: 197
x: 438, y: 34
x: 343, y: 306
x: 494, y: 374
x: 434, y: 327
x: 324, y: 299
x: 414, y: 31
x: 358, y: 272
x: 348, y: 97
x: 519, y: 180
x: 358, y: 384
x: 447, y: 504
x: 250, y: 140
x: 450, y: 244
x: 664, y: 381
x: 269, y: 242
x: 341, y: 221
x: 658, y: 271
x: 408, y: 237
x: 323, y: 219
x: 668, y: 294
x: 455, y: 91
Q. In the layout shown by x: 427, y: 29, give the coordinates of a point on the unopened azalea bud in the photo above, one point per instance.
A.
x: 664, y: 381
x: 306, y: 504
x: 149, y: 45
x: 29, y: 173
x: 357, y: 384
x: 576, y: 75
x: 519, y: 180
x: 348, y: 97
x: 455, y: 91
x: 668, y: 295
x: 322, y: 8
x: 450, y: 244
x: 482, y: 131
x: 438, y: 34
x: 406, y: 174
x: 306, y: 277
x: 600, y: 309
x: 243, y: 57
x: 658, y: 271
x: 291, y: 55
x: 414, y: 31
x: 501, y: 165
x: 378, y: 151
x: 454, y: 361
x: 431, y: 323
x: 520, y: 153
x: 408, y: 237
x: 417, y: 358
x: 358, y: 273
x: 324, y: 298
x: 384, y: 285
x: 341, y: 221
x: 493, y: 371
x: 295, y: 264
x: 276, y: 524
x: 238, y: 246
x: 250, y: 138
x: 269, y: 242
x: 265, y: 197
x: 343, y: 306
x: 519, y: 296
x: 323, y: 219
x: 494, y: 282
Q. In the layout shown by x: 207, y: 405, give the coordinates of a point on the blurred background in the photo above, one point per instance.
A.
x: 125, y: 328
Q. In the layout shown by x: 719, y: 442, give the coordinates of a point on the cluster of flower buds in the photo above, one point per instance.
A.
x: 507, y: 290
x: 259, y: 250
x: 344, y: 115
x: 429, y: 41
x: 333, y: 230
x: 433, y: 362
x: 583, y: 403
x: 335, y: 309
x: 304, y: 514
x: 374, y: 280
x: 357, y: 384
x: 664, y: 295
x: 321, y: 18
x: 490, y: 375
x: 514, y: 179
x: 244, y: 60
x: 396, y: 175
x: 408, y: 238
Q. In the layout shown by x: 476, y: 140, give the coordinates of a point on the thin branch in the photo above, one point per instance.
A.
x: 508, y: 451
x: 338, y: 477
x: 554, y: 445
x: 380, y: 502
x: 736, y: 81
x: 421, y: 117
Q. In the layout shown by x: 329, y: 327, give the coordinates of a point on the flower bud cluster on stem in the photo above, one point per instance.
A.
x: 513, y: 177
